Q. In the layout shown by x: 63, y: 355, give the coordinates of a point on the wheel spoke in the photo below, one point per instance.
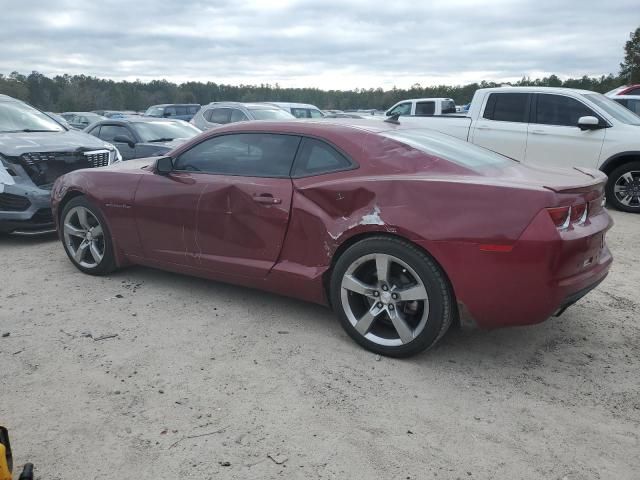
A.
x: 95, y: 253
x: 626, y: 200
x: 382, y: 268
x: 351, y: 283
x: 97, y: 231
x: 82, y: 219
x: 364, y: 323
x: 79, y: 254
x: 417, y: 292
x: 74, y: 231
x: 404, y: 331
x: 628, y: 177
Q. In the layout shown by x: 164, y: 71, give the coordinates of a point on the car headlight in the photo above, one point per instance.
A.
x: 114, y: 154
x: 5, y: 177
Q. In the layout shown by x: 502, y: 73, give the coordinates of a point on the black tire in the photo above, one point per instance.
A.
x: 438, y: 311
x: 107, y: 264
x: 616, y: 176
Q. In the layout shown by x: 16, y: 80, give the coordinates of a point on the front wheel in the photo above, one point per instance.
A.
x: 391, y: 297
x: 623, y: 187
x: 86, y: 237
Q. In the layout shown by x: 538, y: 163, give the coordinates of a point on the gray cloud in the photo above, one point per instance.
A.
x: 324, y: 43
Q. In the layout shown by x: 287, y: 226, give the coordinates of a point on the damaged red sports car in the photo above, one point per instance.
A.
x: 401, y: 231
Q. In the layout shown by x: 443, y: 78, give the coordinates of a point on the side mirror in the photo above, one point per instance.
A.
x: 588, y: 122
x: 124, y: 139
x: 164, y: 165
x: 388, y: 114
x: 166, y: 114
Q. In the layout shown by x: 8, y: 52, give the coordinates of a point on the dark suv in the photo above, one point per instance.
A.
x: 174, y: 111
x: 34, y: 151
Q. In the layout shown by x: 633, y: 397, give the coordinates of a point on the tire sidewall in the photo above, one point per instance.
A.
x: 430, y: 274
x: 107, y: 264
x: 613, y: 177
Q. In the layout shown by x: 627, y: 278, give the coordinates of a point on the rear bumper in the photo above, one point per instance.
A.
x: 545, y: 272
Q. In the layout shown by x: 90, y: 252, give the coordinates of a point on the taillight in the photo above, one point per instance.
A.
x: 562, y: 217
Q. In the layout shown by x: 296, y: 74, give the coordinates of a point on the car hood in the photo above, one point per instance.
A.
x: 15, y: 144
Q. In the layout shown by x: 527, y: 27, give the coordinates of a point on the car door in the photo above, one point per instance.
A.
x: 554, y: 136
x: 108, y: 132
x: 503, y: 125
x: 245, y: 200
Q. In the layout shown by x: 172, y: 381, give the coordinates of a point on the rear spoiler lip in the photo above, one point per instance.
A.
x: 598, y: 180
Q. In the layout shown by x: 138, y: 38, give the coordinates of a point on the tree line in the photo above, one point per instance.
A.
x: 85, y: 93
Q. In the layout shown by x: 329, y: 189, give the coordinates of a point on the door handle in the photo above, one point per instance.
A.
x: 267, y: 199
x: 538, y: 132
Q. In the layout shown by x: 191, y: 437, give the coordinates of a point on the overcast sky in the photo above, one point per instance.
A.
x: 340, y: 44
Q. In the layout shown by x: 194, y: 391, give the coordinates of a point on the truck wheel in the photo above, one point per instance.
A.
x: 623, y: 187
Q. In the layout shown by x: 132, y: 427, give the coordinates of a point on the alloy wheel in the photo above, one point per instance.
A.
x: 84, y: 237
x: 627, y: 189
x: 384, y: 299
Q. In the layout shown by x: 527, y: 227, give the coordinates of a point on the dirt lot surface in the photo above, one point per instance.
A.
x: 206, y: 380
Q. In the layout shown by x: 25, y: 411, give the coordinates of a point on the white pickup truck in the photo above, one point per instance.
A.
x: 557, y: 127
x: 420, y: 107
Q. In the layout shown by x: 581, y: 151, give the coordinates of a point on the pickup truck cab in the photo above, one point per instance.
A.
x: 556, y: 127
x: 421, y: 107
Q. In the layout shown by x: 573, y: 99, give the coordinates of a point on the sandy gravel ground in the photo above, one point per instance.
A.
x: 211, y: 381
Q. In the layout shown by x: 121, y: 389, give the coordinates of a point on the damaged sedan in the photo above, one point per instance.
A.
x: 402, y: 232
x: 34, y: 151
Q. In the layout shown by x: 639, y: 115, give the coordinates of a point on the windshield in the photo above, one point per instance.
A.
x: 20, y: 117
x: 266, y: 114
x: 449, y: 148
x: 164, y: 131
x: 614, y: 109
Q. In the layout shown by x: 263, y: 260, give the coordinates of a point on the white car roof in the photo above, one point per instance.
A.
x: 625, y: 97
x: 536, y: 90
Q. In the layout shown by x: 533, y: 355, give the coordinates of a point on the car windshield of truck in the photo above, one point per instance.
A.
x: 164, y: 131
x: 449, y: 148
x: 613, y: 108
x: 268, y: 114
x: 20, y: 117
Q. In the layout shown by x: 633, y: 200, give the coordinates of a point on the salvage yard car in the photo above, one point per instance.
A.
x: 401, y: 231
x: 221, y: 113
x: 420, y: 107
x: 34, y: 151
x: 137, y: 137
x: 558, y: 127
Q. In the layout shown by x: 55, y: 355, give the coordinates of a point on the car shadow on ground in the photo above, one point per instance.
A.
x: 8, y: 240
x: 513, y: 347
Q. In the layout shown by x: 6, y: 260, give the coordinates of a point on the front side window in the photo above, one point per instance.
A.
x: 316, y: 157
x: 238, y: 116
x: 218, y: 115
x: 402, y: 109
x: 425, y: 108
x: 109, y: 132
x: 313, y: 113
x: 507, y: 107
x: 244, y: 154
x: 19, y: 117
x: 169, y: 111
x: 300, y: 112
x: 560, y: 110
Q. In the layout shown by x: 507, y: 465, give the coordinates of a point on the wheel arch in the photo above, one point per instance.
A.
x: 613, y: 162
x: 71, y: 194
x: 326, y: 279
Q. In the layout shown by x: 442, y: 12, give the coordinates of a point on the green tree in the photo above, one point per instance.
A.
x: 630, y: 68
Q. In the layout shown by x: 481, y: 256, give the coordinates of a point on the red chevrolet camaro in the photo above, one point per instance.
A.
x: 401, y: 231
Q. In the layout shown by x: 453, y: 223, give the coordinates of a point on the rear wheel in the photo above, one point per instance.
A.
x: 391, y: 297
x: 623, y: 187
x: 86, y: 237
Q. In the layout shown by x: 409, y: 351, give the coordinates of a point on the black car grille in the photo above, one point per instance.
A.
x: 13, y: 203
x: 99, y: 158
x: 45, y: 167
